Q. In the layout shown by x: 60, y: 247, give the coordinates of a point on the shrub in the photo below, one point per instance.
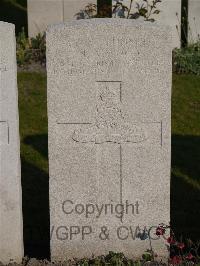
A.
x: 187, y: 59
x: 38, y: 48
x: 146, y: 9
x: 23, y: 49
x: 181, y: 252
x: 33, y: 50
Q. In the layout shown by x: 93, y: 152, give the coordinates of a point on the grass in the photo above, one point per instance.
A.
x: 185, y: 182
x: 34, y: 156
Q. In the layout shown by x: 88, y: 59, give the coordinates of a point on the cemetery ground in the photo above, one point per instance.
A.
x: 185, y: 182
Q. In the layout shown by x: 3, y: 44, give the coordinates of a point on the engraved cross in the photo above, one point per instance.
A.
x: 111, y: 125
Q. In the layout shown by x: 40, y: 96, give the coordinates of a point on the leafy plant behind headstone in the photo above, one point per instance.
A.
x: 147, y: 9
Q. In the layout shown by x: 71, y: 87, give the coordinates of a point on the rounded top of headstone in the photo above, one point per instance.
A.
x: 108, y: 22
x: 7, y: 25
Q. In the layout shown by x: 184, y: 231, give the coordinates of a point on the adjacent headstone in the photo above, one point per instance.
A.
x: 193, y: 20
x: 42, y: 13
x: 74, y: 9
x: 170, y: 15
x: 109, y: 109
x: 11, y: 237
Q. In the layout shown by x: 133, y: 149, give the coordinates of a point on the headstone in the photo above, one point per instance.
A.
x: 11, y: 237
x: 42, y: 13
x: 74, y: 9
x: 109, y: 109
x: 170, y: 15
x: 194, y: 20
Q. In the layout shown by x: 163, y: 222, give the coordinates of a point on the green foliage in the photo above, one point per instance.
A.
x: 146, y: 9
x: 147, y: 256
x: 38, y: 47
x: 31, y: 50
x: 117, y: 259
x: 23, y: 49
x: 187, y: 59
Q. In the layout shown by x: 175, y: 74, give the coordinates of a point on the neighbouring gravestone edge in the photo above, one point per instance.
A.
x: 7, y: 24
x: 11, y: 219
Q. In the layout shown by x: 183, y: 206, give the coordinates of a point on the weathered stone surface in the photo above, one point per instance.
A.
x: 42, y: 13
x: 11, y: 239
x: 109, y: 109
x: 170, y: 15
x: 194, y: 20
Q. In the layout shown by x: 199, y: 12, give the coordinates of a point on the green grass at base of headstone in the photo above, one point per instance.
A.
x: 34, y: 159
x: 185, y: 183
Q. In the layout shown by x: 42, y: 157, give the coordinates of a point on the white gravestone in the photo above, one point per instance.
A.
x: 170, y: 15
x: 42, y: 13
x: 193, y: 21
x: 11, y: 237
x: 109, y: 109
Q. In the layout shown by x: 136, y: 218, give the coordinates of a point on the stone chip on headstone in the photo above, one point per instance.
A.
x: 11, y: 236
x: 109, y: 109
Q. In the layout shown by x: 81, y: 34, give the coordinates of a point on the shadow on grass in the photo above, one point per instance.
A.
x: 39, y: 143
x: 185, y: 183
x: 186, y: 155
x: 35, y: 193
